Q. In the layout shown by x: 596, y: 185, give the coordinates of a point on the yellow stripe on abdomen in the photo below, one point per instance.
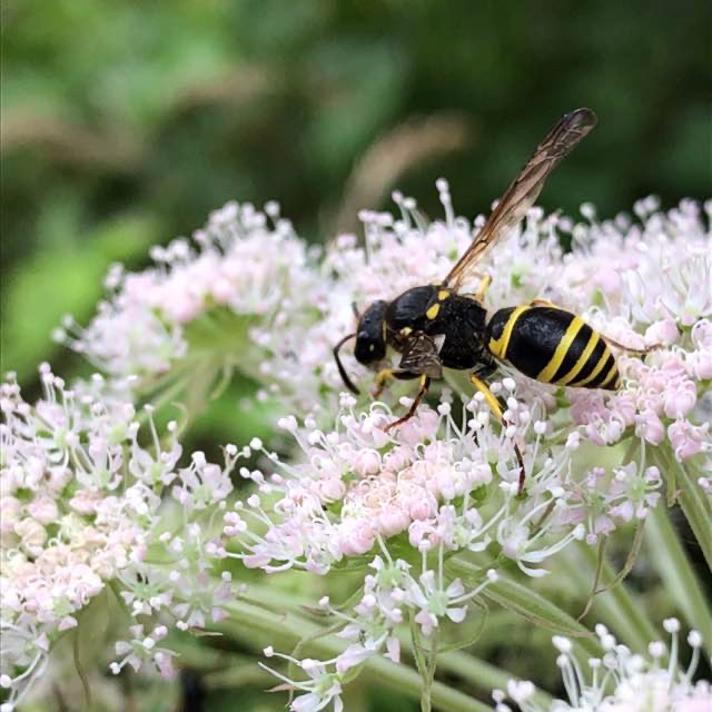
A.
x: 583, y: 358
x: 601, y: 363
x: 562, y: 348
x: 612, y: 374
x: 499, y: 346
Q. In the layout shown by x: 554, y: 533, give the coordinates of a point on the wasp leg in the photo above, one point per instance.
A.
x: 628, y: 349
x: 486, y: 280
x: 385, y: 374
x: 542, y: 303
x: 424, y: 385
x: 496, y: 408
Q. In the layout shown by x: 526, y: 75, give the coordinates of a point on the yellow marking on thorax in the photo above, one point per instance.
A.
x: 499, y: 346
x: 601, y: 363
x: 562, y: 348
x: 433, y: 311
x: 582, y: 360
x: 406, y: 331
x: 443, y: 294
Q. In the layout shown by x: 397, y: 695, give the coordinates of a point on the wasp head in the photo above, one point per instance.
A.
x: 370, y: 340
x: 370, y: 336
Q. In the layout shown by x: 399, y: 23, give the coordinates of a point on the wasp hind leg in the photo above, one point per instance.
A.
x: 630, y: 350
x: 496, y: 408
x: 424, y: 385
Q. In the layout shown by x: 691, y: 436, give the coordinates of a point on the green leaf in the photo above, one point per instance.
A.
x: 59, y: 281
x: 695, y: 506
x: 527, y: 603
x: 673, y: 566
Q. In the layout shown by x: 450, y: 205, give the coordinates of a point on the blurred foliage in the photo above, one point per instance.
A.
x: 124, y: 123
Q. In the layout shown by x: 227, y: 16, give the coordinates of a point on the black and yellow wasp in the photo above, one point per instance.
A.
x: 436, y: 326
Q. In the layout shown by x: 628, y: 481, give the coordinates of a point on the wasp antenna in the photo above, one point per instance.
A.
x: 342, y: 371
x: 354, y: 309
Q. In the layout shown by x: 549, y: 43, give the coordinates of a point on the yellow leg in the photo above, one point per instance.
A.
x: 385, y: 375
x: 542, y: 303
x: 490, y: 399
x: 382, y: 377
x: 496, y: 408
x: 424, y: 384
x: 484, y: 286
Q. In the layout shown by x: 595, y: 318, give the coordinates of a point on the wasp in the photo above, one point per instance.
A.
x: 439, y: 326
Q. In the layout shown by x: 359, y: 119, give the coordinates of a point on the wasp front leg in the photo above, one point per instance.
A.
x: 386, y: 374
x: 496, y: 408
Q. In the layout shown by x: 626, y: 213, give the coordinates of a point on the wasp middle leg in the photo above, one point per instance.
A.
x: 486, y: 280
x: 424, y: 385
x: 496, y: 408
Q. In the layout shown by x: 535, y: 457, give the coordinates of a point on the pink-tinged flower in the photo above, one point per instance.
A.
x: 650, y: 427
x: 245, y: 267
x: 332, y: 505
x: 688, y: 440
x: 143, y: 647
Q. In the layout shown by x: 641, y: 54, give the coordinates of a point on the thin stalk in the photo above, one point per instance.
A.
x: 674, y: 568
x: 246, y: 620
x: 617, y: 607
x: 596, y: 578
x: 81, y: 672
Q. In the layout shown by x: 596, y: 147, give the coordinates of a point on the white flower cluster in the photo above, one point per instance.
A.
x: 84, y: 498
x: 81, y: 503
x: 621, y: 681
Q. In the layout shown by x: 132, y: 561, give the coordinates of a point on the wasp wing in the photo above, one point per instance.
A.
x: 421, y: 355
x: 525, y: 188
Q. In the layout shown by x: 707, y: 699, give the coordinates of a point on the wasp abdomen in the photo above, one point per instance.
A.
x: 552, y: 345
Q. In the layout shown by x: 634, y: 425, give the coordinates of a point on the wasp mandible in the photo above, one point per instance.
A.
x: 436, y: 326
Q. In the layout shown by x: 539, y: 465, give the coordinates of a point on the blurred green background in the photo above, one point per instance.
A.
x: 125, y: 123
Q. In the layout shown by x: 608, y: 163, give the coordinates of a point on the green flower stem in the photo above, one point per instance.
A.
x: 674, y: 568
x: 247, y: 620
x: 482, y: 675
x: 695, y: 506
x: 617, y: 608
x: 527, y: 603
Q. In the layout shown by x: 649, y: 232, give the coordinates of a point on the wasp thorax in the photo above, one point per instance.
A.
x: 370, y: 335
